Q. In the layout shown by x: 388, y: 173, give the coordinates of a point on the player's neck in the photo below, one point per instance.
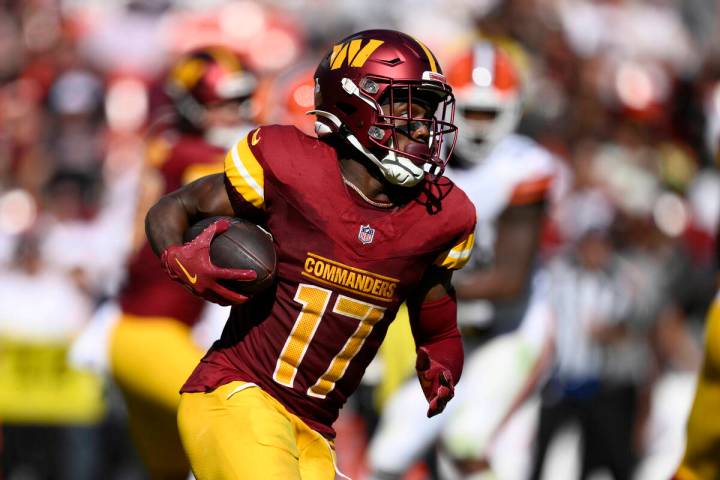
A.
x: 373, y: 190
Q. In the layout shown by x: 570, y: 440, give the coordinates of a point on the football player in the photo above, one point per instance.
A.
x: 702, y: 452
x: 152, y: 349
x: 701, y: 459
x: 362, y: 220
x: 508, y: 177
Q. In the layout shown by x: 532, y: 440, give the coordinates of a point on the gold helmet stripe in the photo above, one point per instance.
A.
x: 431, y: 58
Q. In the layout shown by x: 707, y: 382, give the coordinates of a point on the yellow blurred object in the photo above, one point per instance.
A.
x: 398, y: 356
x: 158, y: 150
x: 151, y: 358
x: 38, y: 386
x: 703, y: 429
x: 677, y: 166
x: 199, y: 170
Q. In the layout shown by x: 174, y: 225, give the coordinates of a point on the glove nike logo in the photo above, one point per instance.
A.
x: 255, y: 139
x: 191, y: 278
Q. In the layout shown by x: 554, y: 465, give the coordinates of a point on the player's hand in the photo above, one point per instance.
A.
x: 190, y: 265
x: 435, y: 380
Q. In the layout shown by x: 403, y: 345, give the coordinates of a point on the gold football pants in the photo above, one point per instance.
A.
x: 151, y: 358
x: 702, y: 452
x: 239, y: 431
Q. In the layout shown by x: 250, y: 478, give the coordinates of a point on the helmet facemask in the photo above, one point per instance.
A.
x: 419, y: 158
x: 422, y: 155
x: 369, y: 69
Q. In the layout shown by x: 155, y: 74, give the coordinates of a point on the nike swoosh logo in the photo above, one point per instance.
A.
x: 192, y: 278
x: 255, y: 139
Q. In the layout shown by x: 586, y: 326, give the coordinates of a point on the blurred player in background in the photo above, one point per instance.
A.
x: 362, y: 220
x: 151, y: 344
x: 505, y: 327
x: 286, y: 98
x: 702, y: 451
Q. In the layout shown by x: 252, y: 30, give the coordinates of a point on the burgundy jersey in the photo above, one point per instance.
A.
x: 148, y: 291
x: 344, y: 268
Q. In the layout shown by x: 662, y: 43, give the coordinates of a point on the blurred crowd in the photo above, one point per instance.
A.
x: 626, y: 93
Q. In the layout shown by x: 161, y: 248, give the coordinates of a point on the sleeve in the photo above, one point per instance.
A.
x: 458, y: 255
x: 190, y: 159
x: 435, y: 329
x: 531, y: 191
x: 245, y: 176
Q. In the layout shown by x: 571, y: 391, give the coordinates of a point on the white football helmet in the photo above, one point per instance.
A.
x: 488, y: 95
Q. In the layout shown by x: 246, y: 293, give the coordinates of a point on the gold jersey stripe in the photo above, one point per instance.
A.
x: 199, y: 170
x: 458, y: 256
x: 245, y: 173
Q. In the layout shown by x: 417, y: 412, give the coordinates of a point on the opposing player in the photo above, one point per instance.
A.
x: 152, y: 349
x: 508, y: 177
x: 362, y: 220
x: 288, y: 97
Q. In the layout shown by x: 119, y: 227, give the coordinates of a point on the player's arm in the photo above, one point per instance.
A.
x: 518, y: 237
x: 190, y: 263
x: 167, y: 220
x: 150, y: 190
x: 433, y: 320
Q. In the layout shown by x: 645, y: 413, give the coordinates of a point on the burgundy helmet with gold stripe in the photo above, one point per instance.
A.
x: 376, y: 67
x: 205, y: 77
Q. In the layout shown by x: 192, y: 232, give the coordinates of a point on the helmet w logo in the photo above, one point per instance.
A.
x: 355, y: 53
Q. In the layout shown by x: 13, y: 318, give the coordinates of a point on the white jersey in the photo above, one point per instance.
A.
x: 517, y: 171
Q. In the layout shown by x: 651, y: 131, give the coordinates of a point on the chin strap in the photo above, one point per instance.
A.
x: 398, y: 170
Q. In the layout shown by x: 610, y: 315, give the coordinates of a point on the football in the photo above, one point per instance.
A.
x: 245, y: 246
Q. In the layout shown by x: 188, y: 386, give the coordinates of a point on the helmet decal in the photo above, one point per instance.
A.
x: 356, y: 56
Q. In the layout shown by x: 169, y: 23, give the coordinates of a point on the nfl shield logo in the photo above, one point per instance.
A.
x: 366, y: 234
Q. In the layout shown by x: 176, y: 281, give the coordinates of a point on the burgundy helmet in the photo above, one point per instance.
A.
x: 377, y: 67
x: 207, y: 76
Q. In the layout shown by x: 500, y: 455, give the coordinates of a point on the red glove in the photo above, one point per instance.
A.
x: 435, y: 380
x: 190, y: 265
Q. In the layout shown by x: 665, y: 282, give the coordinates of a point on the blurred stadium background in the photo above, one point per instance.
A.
x: 625, y: 92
